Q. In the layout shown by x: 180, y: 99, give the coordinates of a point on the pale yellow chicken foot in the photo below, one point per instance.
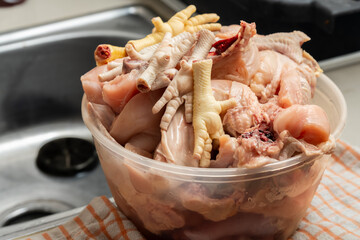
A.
x: 206, y: 112
x: 180, y: 22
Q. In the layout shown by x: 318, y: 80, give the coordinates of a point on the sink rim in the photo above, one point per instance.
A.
x: 67, y: 36
x: 70, y: 25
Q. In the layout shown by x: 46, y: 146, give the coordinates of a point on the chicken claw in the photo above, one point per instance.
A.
x: 206, y: 119
x: 177, y: 24
x: 158, y: 62
x: 180, y: 88
x: 199, y: 22
x: 180, y: 22
x: 180, y: 85
x: 166, y: 56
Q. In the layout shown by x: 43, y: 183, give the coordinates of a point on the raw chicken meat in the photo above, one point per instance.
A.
x: 92, y: 86
x: 294, y: 89
x: 287, y: 44
x: 228, y: 31
x: 267, y: 78
x: 137, y: 119
x: 196, y: 198
x: 245, y: 114
x: 239, y: 62
x: 177, y: 142
x: 119, y: 91
x: 225, y: 99
x: 257, y: 147
x: 225, y: 158
x: 268, y: 64
x: 308, y: 122
x: 103, y: 113
x: 263, y: 74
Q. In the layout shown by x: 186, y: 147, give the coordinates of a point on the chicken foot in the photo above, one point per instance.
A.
x: 166, y: 56
x: 105, y: 53
x: 180, y: 22
x: 180, y: 89
x: 206, y: 112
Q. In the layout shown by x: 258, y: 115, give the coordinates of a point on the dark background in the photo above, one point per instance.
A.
x: 332, y: 25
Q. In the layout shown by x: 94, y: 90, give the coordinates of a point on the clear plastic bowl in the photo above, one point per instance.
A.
x: 167, y: 201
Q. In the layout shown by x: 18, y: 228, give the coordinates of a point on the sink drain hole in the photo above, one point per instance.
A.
x: 31, y: 210
x: 27, y: 216
x: 67, y: 157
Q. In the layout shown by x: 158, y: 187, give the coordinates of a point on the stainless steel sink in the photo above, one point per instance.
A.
x: 40, y: 96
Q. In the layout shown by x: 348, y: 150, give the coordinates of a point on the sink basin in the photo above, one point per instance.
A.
x: 47, y: 160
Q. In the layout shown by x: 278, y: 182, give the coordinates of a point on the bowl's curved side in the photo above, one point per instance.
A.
x: 327, y: 95
x: 167, y: 207
x: 176, y: 201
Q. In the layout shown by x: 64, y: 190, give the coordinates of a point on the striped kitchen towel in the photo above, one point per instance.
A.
x: 335, y: 209
x: 334, y: 212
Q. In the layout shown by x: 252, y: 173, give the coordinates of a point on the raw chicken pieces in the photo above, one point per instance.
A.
x: 268, y: 80
x: 177, y: 142
x: 218, y: 98
x: 308, y: 122
x: 136, y: 124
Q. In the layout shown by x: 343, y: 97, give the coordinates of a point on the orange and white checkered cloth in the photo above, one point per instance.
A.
x: 335, y: 209
x: 334, y: 212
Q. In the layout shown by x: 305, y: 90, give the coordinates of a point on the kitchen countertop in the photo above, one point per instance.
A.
x: 345, y: 72
x: 36, y: 12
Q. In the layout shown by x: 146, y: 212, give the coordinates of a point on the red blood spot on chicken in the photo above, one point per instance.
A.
x: 262, y: 132
x: 222, y: 45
